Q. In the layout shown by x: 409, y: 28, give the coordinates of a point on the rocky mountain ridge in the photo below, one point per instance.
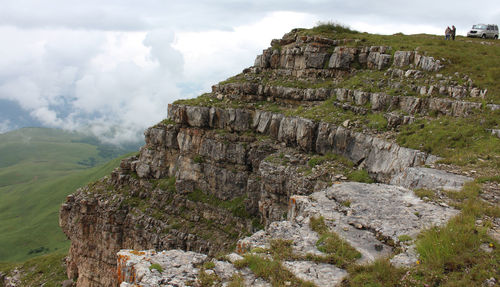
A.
x: 280, y: 141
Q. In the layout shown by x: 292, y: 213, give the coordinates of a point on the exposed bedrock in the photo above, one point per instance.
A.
x: 374, y: 219
x: 299, y: 53
x: 382, y: 159
x: 379, y: 102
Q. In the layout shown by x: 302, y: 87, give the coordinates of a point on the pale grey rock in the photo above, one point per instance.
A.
x: 403, y: 58
x: 405, y: 259
x: 316, y: 60
x: 233, y: 257
x: 495, y: 132
x: 143, y: 170
x: 427, y: 63
x: 383, y: 211
x: 378, y: 60
x: 341, y: 58
x: 493, y: 107
x: 320, y: 274
x: 178, y: 267
x: 288, y: 130
x: 304, y: 239
x: 428, y: 178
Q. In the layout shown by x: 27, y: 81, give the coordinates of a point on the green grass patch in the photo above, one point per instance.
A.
x: 235, y: 205
x: 425, y: 193
x: 319, y: 159
x: 463, y: 142
x: 404, y: 238
x: 156, y: 266
x: 236, y: 281
x: 339, y: 252
x: 44, y: 166
x: 360, y: 175
x: 271, y: 270
x: 378, y: 274
x: 167, y: 184
x: 49, y: 270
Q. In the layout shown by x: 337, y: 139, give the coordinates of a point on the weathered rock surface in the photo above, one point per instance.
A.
x: 172, y: 267
x: 375, y: 216
x: 428, y: 178
x: 378, y: 101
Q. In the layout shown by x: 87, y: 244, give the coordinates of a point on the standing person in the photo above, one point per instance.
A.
x: 447, y: 33
x: 453, y: 32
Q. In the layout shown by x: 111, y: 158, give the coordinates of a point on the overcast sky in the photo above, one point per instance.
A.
x: 111, y: 67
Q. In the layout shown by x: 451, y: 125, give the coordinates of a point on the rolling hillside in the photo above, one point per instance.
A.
x: 38, y: 168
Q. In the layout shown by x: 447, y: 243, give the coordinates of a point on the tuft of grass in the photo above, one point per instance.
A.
x: 271, y: 270
x: 236, y: 281
x: 167, y: 184
x: 198, y: 159
x: 404, y: 238
x: 339, y: 251
x: 208, y: 265
x: 423, y: 193
x: 378, y: 274
x: 317, y: 160
x: 360, y: 176
x: 156, y: 266
x: 208, y: 280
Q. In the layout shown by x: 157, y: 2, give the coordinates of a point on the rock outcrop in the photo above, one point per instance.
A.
x: 373, y: 221
x: 246, y: 156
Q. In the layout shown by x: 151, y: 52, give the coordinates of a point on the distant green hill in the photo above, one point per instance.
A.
x: 39, y: 167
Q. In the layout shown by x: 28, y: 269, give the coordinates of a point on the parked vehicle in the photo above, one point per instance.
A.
x: 483, y: 31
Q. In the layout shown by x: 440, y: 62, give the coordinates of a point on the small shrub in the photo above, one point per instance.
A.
x: 422, y: 193
x: 360, y: 176
x: 198, y: 159
x: 208, y: 265
x: 380, y: 274
x: 236, y: 281
x: 156, y: 266
x: 332, y: 27
x: 404, y: 238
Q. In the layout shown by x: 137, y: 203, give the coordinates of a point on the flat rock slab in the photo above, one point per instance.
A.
x: 369, y: 215
x: 321, y: 274
x: 428, y: 178
x: 304, y: 239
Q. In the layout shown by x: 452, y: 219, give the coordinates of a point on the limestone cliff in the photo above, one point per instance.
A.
x: 226, y: 164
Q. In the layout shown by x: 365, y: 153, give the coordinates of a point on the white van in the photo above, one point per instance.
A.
x: 484, y: 31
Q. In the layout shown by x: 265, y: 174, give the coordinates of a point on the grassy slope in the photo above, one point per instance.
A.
x: 464, y: 55
x: 47, y: 270
x: 38, y: 168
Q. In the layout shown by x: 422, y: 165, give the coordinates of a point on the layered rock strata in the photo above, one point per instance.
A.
x: 211, y: 174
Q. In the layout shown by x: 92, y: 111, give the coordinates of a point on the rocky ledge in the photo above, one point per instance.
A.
x: 375, y: 219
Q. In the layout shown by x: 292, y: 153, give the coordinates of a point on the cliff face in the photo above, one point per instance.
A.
x: 228, y: 162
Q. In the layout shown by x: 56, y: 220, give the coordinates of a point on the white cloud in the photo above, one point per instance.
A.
x: 112, y: 67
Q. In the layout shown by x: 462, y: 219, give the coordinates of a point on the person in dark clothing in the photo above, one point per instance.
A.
x: 453, y: 32
x: 447, y: 33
